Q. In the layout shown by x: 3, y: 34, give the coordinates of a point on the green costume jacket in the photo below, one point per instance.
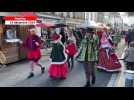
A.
x: 89, y: 49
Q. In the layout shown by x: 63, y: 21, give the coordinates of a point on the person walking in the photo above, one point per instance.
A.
x: 129, y: 56
x: 108, y: 59
x: 62, y: 33
x: 59, y: 67
x: 71, y: 49
x: 78, y: 35
x: 71, y: 36
x: 88, y: 55
x: 130, y: 36
x: 129, y: 60
x: 33, y: 44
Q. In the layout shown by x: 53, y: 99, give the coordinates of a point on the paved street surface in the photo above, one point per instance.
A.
x: 120, y: 79
x: 15, y: 75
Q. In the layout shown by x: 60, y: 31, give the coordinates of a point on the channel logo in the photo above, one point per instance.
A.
x: 20, y: 20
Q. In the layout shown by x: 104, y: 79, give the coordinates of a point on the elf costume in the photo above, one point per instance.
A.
x: 59, y: 66
x: 33, y: 44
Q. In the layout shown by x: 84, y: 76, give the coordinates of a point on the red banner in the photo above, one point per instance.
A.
x: 20, y: 18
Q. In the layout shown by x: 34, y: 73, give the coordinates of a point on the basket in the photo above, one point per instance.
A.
x: 3, y: 59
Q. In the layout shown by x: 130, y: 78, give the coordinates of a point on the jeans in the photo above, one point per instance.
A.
x: 89, y: 67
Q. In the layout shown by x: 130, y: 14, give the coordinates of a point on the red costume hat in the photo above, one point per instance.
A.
x: 56, y: 37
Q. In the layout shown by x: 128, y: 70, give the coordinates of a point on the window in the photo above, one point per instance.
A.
x: 73, y: 14
x: 68, y: 14
x: 53, y: 13
x: 57, y: 13
x: 62, y: 14
x: 48, y: 13
x: 11, y: 34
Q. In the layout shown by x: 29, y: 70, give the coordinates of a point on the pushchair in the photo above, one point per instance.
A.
x: 129, y: 75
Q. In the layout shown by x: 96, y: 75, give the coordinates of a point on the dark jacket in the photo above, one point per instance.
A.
x: 62, y: 33
x: 130, y: 36
x: 57, y: 54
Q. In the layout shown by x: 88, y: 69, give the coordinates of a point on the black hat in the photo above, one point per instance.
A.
x: 90, y: 29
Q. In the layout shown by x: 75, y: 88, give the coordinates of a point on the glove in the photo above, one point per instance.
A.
x: 37, y: 44
x: 50, y: 59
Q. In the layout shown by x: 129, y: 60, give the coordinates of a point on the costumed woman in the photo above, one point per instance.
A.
x: 88, y: 55
x: 33, y: 44
x: 71, y: 49
x: 108, y: 60
x: 59, y: 67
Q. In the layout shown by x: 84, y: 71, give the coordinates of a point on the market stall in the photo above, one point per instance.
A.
x: 10, y: 50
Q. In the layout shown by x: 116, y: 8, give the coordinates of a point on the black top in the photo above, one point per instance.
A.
x: 57, y: 54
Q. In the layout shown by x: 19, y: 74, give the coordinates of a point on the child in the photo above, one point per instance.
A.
x: 129, y: 57
x: 71, y: 50
x: 33, y: 43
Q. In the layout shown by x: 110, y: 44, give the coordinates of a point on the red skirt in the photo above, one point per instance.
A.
x: 58, y: 70
x: 110, y: 63
x: 34, y: 55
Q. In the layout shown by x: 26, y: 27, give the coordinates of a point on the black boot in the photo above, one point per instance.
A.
x: 87, y: 84
x: 93, y: 80
x: 42, y: 70
x: 31, y: 75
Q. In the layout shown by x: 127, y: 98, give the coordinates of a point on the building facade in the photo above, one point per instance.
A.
x: 69, y: 18
x: 91, y: 16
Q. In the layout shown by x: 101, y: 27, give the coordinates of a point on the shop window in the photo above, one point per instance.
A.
x: 68, y: 14
x: 11, y: 34
x: 53, y: 13
x: 62, y: 14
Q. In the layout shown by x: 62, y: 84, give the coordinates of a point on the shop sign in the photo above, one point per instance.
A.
x: 50, y: 21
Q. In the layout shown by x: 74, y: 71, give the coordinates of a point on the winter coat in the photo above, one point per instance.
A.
x: 129, y: 54
x: 89, y: 49
x: 63, y: 37
x: 130, y: 37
